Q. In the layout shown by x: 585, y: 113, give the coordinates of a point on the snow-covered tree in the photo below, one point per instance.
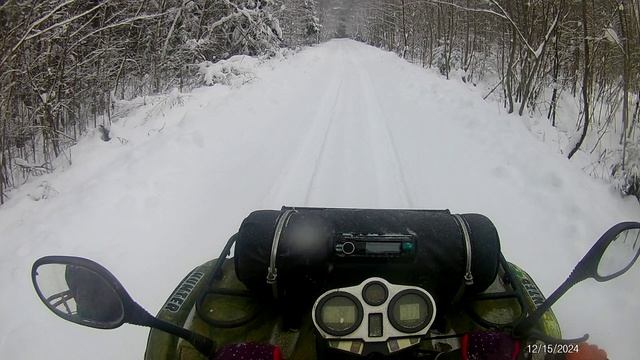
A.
x: 311, y: 22
x: 251, y: 27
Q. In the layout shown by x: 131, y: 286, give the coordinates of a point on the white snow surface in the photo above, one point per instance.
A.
x: 239, y: 68
x: 339, y: 125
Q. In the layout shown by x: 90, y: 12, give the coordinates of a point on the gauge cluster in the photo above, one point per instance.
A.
x: 374, y: 311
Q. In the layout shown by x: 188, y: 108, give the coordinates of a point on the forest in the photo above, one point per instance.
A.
x: 65, y: 65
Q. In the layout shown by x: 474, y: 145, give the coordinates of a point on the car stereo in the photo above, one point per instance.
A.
x: 375, y: 246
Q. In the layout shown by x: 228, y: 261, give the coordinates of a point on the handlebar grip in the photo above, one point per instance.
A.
x: 551, y: 340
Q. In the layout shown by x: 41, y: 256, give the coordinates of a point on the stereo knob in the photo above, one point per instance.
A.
x: 348, y: 248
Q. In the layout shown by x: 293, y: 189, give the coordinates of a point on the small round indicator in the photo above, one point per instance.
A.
x: 375, y: 293
x: 407, y: 246
x: 348, y: 248
x: 339, y: 313
x: 410, y: 311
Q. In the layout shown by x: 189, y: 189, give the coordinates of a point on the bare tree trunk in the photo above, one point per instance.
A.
x: 556, y: 70
x: 586, y: 82
x: 2, y: 160
x: 625, y: 84
x: 509, y: 79
x: 404, y: 33
x: 636, y: 113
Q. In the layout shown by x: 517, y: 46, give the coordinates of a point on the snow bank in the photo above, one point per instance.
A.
x: 236, y: 70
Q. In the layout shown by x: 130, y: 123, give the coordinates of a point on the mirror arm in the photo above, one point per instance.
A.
x: 203, y: 344
x: 523, y: 329
x: 137, y: 315
x: 537, y: 335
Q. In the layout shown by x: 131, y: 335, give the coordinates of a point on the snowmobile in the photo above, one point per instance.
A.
x: 328, y: 283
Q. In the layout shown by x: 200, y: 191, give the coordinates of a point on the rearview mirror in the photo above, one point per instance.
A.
x: 619, y: 255
x: 79, y: 292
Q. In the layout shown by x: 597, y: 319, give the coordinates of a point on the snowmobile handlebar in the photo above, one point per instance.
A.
x: 537, y: 335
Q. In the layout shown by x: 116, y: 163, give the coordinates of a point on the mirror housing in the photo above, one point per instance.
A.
x: 81, y: 291
x: 80, y: 278
x: 588, y: 268
x: 620, y: 254
x: 589, y: 265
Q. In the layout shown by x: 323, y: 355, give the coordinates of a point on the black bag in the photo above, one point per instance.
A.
x: 299, y: 253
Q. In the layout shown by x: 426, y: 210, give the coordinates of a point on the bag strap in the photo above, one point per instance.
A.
x: 468, y: 275
x: 272, y: 271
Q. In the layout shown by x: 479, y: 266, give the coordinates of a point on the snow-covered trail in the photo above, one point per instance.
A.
x: 340, y: 124
x: 348, y: 157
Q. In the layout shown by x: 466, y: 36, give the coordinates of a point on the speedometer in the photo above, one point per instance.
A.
x: 339, y: 313
x: 409, y: 311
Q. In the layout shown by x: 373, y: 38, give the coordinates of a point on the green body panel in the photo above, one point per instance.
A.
x: 301, y: 344
x: 161, y: 345
x: 548, y: 323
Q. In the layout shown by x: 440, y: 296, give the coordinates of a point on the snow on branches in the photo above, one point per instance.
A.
x: 236, y: 69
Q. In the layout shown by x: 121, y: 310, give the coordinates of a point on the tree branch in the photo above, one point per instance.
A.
x: 65, y: 22
x: 33, y: 25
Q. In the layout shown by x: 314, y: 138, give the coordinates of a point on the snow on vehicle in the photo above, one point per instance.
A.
x: 322, y: 283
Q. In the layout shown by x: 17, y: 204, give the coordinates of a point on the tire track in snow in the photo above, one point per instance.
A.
x: 293, y: 186
x: 345, y: 175
x: 348, y: 156
x: 378, y: 124
x: 357, y: 166
x: 323, y: 145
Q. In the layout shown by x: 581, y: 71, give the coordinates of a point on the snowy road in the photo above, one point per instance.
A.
x: 341, y: 124
x: 347, y: 155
